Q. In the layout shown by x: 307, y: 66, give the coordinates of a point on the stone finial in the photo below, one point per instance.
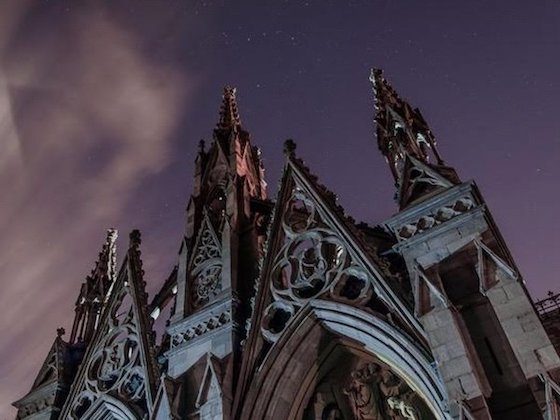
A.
x: 60, y: 332
x: 290, y: 147
x: 229, y: 114
x: 201, y: 146
x: 135, y: 238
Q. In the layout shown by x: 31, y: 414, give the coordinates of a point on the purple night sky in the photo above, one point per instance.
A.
x: 102, y: 106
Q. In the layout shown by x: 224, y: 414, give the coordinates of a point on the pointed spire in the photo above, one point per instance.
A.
x: 404, y: 138
x: 111, y: 252
x: 106, y: 264
x: 232, y: 148
x: 229, y: 113
x: 124, y: 340
x: 95, y: 291
x: 401, y: 130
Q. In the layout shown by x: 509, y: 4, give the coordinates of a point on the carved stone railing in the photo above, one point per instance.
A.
x: 435, y: 217
x: 548, y: 305
x: 199, y: 325
x: 433, y: 213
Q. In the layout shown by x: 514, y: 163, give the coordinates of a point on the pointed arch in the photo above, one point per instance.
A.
x: 281, y: 387
x: 315, y: 251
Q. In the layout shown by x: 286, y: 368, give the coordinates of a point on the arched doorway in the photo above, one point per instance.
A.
x: 351, y: 384
x: 330, y: 355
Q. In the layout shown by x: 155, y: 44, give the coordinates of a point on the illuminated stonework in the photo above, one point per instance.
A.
x: 292, y: 310
x: 365, y: 391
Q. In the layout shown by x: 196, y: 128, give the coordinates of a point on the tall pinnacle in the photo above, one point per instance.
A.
x: 95, y: 290
x: 401, y: 129
x: 229, y: 114
x: 404, y: 138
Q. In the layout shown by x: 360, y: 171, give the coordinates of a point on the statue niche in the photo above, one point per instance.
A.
x: 368, y: 391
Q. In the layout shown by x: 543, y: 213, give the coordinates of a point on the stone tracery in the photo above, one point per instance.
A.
x: 313, y: 261
x: 115, y: 367
x: 206, y: 267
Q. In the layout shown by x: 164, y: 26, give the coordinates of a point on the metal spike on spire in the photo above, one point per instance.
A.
x: 229, y: 113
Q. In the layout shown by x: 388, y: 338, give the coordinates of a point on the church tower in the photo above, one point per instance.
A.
x: 225, y: 222
x: 487, y: 340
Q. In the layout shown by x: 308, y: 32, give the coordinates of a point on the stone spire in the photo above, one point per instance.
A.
x: 229, y: 114
x: 401, y: 129
x: 406, y: 141
x: 95, y: 290
x: 226, y: 221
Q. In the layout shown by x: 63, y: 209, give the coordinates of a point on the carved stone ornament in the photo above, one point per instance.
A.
x: 312, y: 262
x: 364, y: 394
x: 375, y: 393
x: 353, y: 388
x: 207, y: 284
x: 115, y: 367
x: 206, y: 267
x: 208, y: 248
x: 210, y: 323
x: 435, y: 218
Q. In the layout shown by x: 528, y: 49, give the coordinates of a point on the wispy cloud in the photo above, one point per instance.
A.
x: 85, y: 116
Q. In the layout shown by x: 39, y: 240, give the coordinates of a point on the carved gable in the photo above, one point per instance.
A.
x: 52, y: 382
x: 209, y: 398
x: 312, y: 261
x: 314, y: 252
x: 418, y: 181
x: 118, y: 369
x: 53, y: 365
x: 206, y: 265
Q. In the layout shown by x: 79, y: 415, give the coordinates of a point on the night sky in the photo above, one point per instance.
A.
x: 102, y: 106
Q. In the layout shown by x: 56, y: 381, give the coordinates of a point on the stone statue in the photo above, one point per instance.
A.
x: 362, y: 394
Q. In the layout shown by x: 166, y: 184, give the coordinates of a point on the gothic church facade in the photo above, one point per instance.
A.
x: 290, y: 309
